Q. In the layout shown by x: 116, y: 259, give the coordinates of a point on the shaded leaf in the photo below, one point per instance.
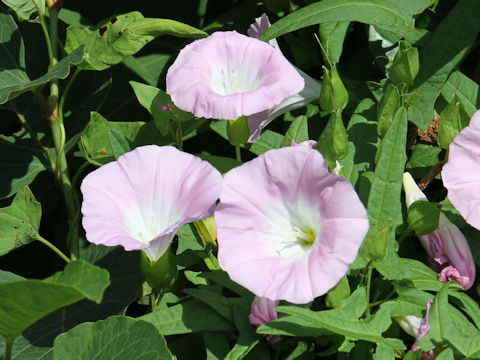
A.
x: 118, y: 337
x: 19, y: 223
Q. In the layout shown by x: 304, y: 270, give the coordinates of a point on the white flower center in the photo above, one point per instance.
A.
x: 234, y: 79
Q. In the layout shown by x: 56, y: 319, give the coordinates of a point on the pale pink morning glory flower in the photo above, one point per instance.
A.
x: 263, y: 311
x: 140, y: 200
x: 447, y: 247
x: 309, y: 93
x: 287, y: 229
x: 461, y: 173
x: 228, y: 75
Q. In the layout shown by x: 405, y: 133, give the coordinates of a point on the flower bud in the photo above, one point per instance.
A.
x: 262, y: 312
x: 334, y: 95
x: 447, y: 247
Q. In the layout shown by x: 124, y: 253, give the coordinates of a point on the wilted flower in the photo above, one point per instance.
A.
x: 310, y: 92
x: 228, y: 75
x: 447, y: 247
x: 140, y: 200
x: 263, y: 311
x: 288, y: 229
x: 461, y: 173
x: 418, y: 328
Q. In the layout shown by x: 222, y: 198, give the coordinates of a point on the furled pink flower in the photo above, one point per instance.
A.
x: 263, y: 311
x: 287, y: 229
x: 422, y: 330
x: 228, y: 75
x: 310, y: 92
x: 140, y: 200
x: 447, y: 247
x: 461, y: 173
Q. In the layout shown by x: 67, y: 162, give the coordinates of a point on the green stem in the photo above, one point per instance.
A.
x: 47, y: 37
x: 369, y: 281
x: 202, y: 10
x: 8, y: 350
x: 405, y: 234
x: 53, y: 22
x: 53, y: 247
x: 34, y: 136
x: 238, y: 153
x: 179, y: 136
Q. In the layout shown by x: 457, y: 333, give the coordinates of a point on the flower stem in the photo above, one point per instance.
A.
x: 53, y: 247
x: 369, y: 282
x: 179, y: 136
x: 202, y: 9
x: 8, y: 350
x: 238, y: 153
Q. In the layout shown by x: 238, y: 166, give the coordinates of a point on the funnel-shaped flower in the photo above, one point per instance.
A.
x: 288, y: 229
x: 461, y: 174
x: 447, y: 247
x: 140, y: 200
x: 228, y: 75
x: 310, y: 92
x: 263, y: 311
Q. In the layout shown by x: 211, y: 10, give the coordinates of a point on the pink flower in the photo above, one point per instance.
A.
x: 228, y: 75
x: 312, y: 144
x: 310, y: 92
x: 140, y: 200
x: 263, y: 311
x: 447, y: 247
x: 288, y: 229
x: 461, y: 174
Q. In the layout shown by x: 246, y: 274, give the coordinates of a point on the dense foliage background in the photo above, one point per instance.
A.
x: 107, y: 111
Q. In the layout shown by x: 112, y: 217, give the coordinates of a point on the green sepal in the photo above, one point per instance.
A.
x: 160, y: 273
x: 333, y: 143
x: 405, y: 66
x: 423, y: 217
x: 387, y: 108
x: 237, y: 130
x: 374, y: 245
x: 334, y: 95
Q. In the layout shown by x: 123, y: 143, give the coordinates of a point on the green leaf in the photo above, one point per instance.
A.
x: 122, y: 36
x: 19, y: 223
x: 423, y: 217
x: 135, y: 132
x: 387, y: 108
x: 343, y: 321
x: 118, y: 337
x: 20, y: 162
x: 452, y: 120
x: 374, y: 245
x: 188, y: 317
x: 422, y: 158
x: 125, y: 282
x: 160, y: 105
x: 25, y: 8
x: 384, y: 199
x: 216, y: 344
x: 148, y: 67
x: 338, y: 294
x: 405, y: 65
x: 221, y: 163
x: 387, y: 15
x: 13, y: 78
x: 26, y: 301
x: 442, y: 53
x: 465, y: 89
x: 332, y: 35
x: 217, y: 302
x: 247, y: 338
x: 297, y: 131
x: 383, y: 353
x: 119, y: 143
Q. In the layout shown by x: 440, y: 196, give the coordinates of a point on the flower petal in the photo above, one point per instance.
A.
x: 228, y: 75
x: 145, y: 196
x: 265, y: 204
x: 461, y: 174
